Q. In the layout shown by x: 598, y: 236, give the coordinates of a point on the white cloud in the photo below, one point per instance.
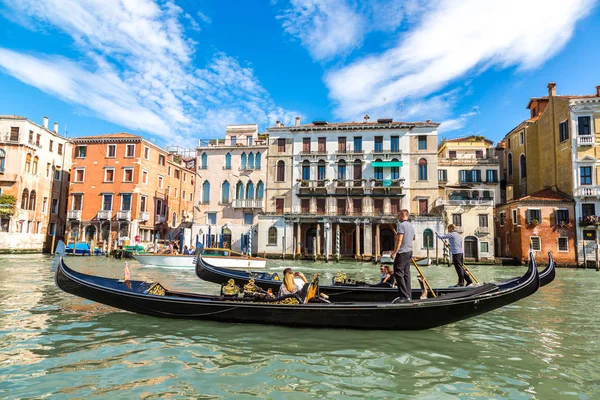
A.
x: 453, y: 38
x: 454, y: 124
x: 138, y: 68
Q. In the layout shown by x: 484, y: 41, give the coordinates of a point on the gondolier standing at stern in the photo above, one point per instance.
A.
x: 456, y: 249
x: 403, y: 250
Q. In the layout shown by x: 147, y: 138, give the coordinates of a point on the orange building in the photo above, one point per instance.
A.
x: 126, y: 188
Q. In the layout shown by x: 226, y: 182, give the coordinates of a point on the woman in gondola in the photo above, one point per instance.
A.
x: 289, y: 286
x: 387, y: 277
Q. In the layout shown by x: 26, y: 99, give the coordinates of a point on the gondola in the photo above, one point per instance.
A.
x: 151, y: 298
x: 345, y: 291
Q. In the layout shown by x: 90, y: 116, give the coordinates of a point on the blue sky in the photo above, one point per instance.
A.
x: 180, y: 70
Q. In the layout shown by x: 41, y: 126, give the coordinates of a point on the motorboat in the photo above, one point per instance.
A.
x: 221, y: 257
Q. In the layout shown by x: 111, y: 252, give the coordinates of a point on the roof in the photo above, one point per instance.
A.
x: 565, y: 96
x: 471, y: 138
x: 121, y: 135
x: 356, y: 125
x: 11, y: 117
x: 545, y: 195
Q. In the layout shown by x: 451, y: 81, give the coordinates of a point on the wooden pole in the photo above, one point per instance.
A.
x: 437, y: 245
x: 584, y: 256
x: 597, y: 254
x: 423, y: 277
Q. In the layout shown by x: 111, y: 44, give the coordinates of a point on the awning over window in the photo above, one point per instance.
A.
x: 386, y: 163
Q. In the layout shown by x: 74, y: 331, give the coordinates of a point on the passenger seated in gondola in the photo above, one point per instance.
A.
x: 289, y: 286
x: 186, y: 251
x: 387, y: 277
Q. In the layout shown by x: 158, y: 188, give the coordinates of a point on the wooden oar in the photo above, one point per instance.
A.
x: 463, y: 264
x: 423, y: 277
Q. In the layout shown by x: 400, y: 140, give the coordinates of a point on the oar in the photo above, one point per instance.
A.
x: 463, y: 265
x: 423, y: 277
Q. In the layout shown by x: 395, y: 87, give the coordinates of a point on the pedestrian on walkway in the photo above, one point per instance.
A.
x: 403, y: 251
x: 456, y: 250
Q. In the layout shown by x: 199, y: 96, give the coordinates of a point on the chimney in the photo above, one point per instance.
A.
x: 46, y: 122
x: 56, y: 128
x: 367, y: 118
x: 598, y: 90
x: 298, y: 118
x: 278, y: 124
x: 551, y: 89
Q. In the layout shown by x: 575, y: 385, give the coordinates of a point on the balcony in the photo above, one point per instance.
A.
x: 144, y: 216
x: 105, y: 214
x: 74, y: 215
x: 466, y: 202
x: 469, y: 161
x: 224, y: 143
x: 160, y: 219
x: 247, y: 203
x: 482, y: 230
x: 459, y: 229
x: 589, y: 220
x: 585, y: 140
x: 386, y: 183
x: 386, y: 154
x: 587, y: 191
x: 350, y: 154
x: 124, y: 215
x: 350, y: 184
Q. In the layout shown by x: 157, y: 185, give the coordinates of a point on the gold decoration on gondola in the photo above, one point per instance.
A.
x: 157, y: 289
x: 289, y: 300
x: 251, y: 288
x: 231, y: 289
x: 341, y: 277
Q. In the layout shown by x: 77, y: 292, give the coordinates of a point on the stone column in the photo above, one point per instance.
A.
x: 318, y: 239
x: 298, y: 238
x: 377, y: 241
x: 368, y: 238
x: 357, y: 241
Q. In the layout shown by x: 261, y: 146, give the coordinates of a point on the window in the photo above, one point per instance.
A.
x: 109, y: 174
x: 322, y: 145
x: 248, y: 218
x: 176, y: 192
x: 378, y: 206
x: 423, y: 206
x: 395, y: 171
x: 243, y: 161
x: 47, y: 169
x: 484, y: 247
x: 79, y: 174
x: 126, y: 201
x: 57, y: 174
x: 394, y: 206
x: 378, y: 144
x: 143, y: 203
x: 357, y: 170
x: 422, y: 142
x: 428, y: 239
x: 80, y: 151
x: 250, y: 190
x: 281, y: 145
x: 321, y: 206
x: 3, y: 160
x: 44, y: 204
x: 38, y: 138
x: 31, y: 137
x: 158, y: 207
x: 279, y: 206
x: 306, y: 145
x: 478, y: 153
x: 272, y: 237
x: 457, y: 219
x: 357, y: 206
x: 183, y: 194
x: 491, y: 176
x: 206, y: 192
x: 422, y: 169
x: 483, y: 220
x: 60, y: 148
x: 251, y: 161
x: 321, y: 172
x: 211, y: 218
x: 588, y: 209
x: 161, y: 160
x: 177, y: 174
x: 305, y: 170
x: 161, y: 181
x: 111, y: 151
x: 442, y: 175
x: 358, y: 144
x: 280, y: 171
x: 584, y: 125
x: 521, y: 138
x: 174, y: 219
x: 145, y: 177
x: 260, y: 190
x: 563, y: 244
x: 563, y: 131
x: 341, y: 172
x: 562, y: 217
x: 228, y: 161
x: 28, y: 163
x: 204, y: 160
x: 257, y: 161
x: 51, y: 145
x: 395, y: 143
x: 77, y: 202
x: 514, y: 217
x: 184, y: 176
x: 342, y: 145
x: 508, y: 146
x: 128, y: 175
x: 129, y: 150
x: 239, y: 191
x: 234, y: 140
x: 536, y: 243
x: 14, y: 134
x: 225, y: 188
x: 107, y: 200
x: 585, y: 175
x: 54, y: 209
x: 169, y: 170
x: 452, y: 154
x: 509, y: 165
x: 249, y: 141
x: 342, y: 206
x: 191, y: 196
x: 32, y: 200
x: 522, y: 167
x: 502, y: 218
x: 34, y: 170
x: 378, y: 171
x: 534, y: 216
x: 305, y: 206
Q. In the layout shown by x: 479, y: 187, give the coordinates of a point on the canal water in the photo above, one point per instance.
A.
x: 58, y: 346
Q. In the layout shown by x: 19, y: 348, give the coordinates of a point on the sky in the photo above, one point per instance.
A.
x: 176, y: 71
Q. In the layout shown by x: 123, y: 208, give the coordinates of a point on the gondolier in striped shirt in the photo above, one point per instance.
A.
x: 456, y: 249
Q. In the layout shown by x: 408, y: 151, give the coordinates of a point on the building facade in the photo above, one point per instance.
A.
x: 35, y: 163
x: 468, y: 175
x: 336, y: 188
x: 126, y: 190
x: 231, y: 189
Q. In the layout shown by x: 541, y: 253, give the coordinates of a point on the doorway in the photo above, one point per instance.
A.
x: 471, y: 247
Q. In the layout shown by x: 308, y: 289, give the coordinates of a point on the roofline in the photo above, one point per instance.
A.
x: 354, y: 126
x: 20, y: 118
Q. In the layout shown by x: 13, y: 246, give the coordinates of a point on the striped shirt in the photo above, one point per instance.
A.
x: 455, y: 242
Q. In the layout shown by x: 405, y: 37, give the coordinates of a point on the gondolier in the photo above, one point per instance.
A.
x: 456, y: 250
x: 402, y: 255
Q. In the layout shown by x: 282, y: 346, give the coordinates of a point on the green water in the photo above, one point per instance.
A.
x: 58, y: 346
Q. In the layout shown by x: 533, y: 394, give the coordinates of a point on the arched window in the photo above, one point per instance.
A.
x: 24, y: 199
x: 272, y: 237
x: 250, y: 190
x: 228, y: 161
x: 427, y: 238
x: 260, y: 190
x: 239, y: 191
x: 475, y: 194
x: 251, y: 161
x: 509, y: 165
x: 522, y: 166
x: 35, y: 165
x: 204, y: 161
x: 378, y: 171
x: 422, y: 169
x: 357, y: 170
x: 225, y: 192
x: 280, y: 171
x: 243, y: 161
x: 321, y: 170
x: 2, y: 159
x: 28, y: 163
x: 341, y: 172
x: 487, y: 195
x: 257, y: 161
x: 306, y: 170
x: 174, y: 220
x: 32, y: 199
x: 206, y: 192
x: 395, y: 171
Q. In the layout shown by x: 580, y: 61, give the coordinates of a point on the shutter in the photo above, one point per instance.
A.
x: 528, y: 216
